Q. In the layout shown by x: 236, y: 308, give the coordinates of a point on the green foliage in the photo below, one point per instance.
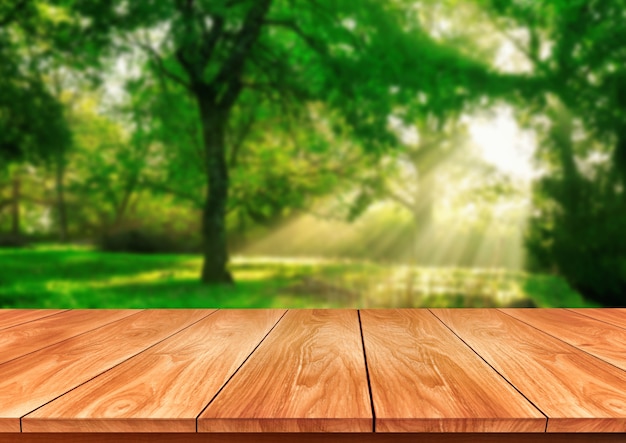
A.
x: 277, y: 162
x: 32, y: 125
x: 103, y: 167
x: 31, y: 122
x: 586, y: 246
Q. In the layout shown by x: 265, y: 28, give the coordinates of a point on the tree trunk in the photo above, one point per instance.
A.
x: 561, y: 134
x: 60, y: 190
x: 214, y: 268
x: 215, y: 99
x: 619, y: 160
x: 15, y: 207
x: 122, y: 208
x: 422, y: 212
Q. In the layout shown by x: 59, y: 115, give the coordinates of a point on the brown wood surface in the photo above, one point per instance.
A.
x: 578, y: 392
x: 155, y: 370
x: 424, y: 379
x: 28, y: 382
x: 307, y: 376
x: 28, y: 437
x: 165, y: 388
x: 615, y: 316
x: 599, y: 339
x: 29, y: 337
x: 12, y: 317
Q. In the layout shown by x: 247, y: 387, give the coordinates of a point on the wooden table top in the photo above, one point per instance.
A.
x: 313, y: 371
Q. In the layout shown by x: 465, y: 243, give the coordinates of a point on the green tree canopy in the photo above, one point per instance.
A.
x: 359, y: 61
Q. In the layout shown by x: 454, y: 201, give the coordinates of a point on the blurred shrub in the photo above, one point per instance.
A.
x: 578, y: 233
x: 140, y: 241
x: 13, y: 241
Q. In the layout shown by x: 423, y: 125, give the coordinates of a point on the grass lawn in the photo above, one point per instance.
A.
x: 49, y: 276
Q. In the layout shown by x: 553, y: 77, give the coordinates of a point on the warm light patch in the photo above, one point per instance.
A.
x: 503, y: 143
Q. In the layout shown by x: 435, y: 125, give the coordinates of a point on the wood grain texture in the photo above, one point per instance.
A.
x: 13, y: 317
x: 371, y: 437
x: 165, y: 388
x: 599, y: 339
x: 29, y: 337
x: 28, y: 382
x: 424, y: 379
x: 307, y: 376
x: 615, y: 316
x: 578, y: 392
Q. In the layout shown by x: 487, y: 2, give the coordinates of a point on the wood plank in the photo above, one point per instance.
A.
x: 307, y: 376
x: 13, y: 317
x: 599, y: 339
x: 28, y: 382
x: 578, y: 392
x: 615, y: 316
x: 28, y: 437
x: 424, y: 379
x: 165, y: 388
x: 29, y: 337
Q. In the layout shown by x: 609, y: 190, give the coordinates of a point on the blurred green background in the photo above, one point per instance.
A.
x: 327, y: 153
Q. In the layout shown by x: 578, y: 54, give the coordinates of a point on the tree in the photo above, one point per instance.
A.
x: 272, y: 172
x: 32, y: 124
x: 31, y: 120
x: 362, y: 61
x: 579, y: 76
x: 408, y: 176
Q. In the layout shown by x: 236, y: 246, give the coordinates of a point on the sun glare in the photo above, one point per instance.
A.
x: 503, y: 143
x: 461, y: 230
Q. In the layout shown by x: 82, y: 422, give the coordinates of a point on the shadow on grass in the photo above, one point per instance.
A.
x: 19, y: 301
x: 164, y: 294
x: 92, y: 279
x: 36, y: 266
x: 190, y: 294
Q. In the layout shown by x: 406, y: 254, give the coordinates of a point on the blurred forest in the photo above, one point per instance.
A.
x: 409, y: 150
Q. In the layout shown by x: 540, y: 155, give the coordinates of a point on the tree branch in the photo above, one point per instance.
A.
x: 319, y: 48
x: 399, y: 199
x: 38, y: 201
x: 230, y: 72
x: 236, y: 144
x: 210, y: 38
x: 530, y: 53
x: 293, y: 26
x: 6, y: 202
x: 195, y: 199
x: 158, y: 60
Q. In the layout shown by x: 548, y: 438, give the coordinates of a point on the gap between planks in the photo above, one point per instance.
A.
x: 367, y: 372
x: 609, y: 340
x: 489, y: 364
x: 237, y: 370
